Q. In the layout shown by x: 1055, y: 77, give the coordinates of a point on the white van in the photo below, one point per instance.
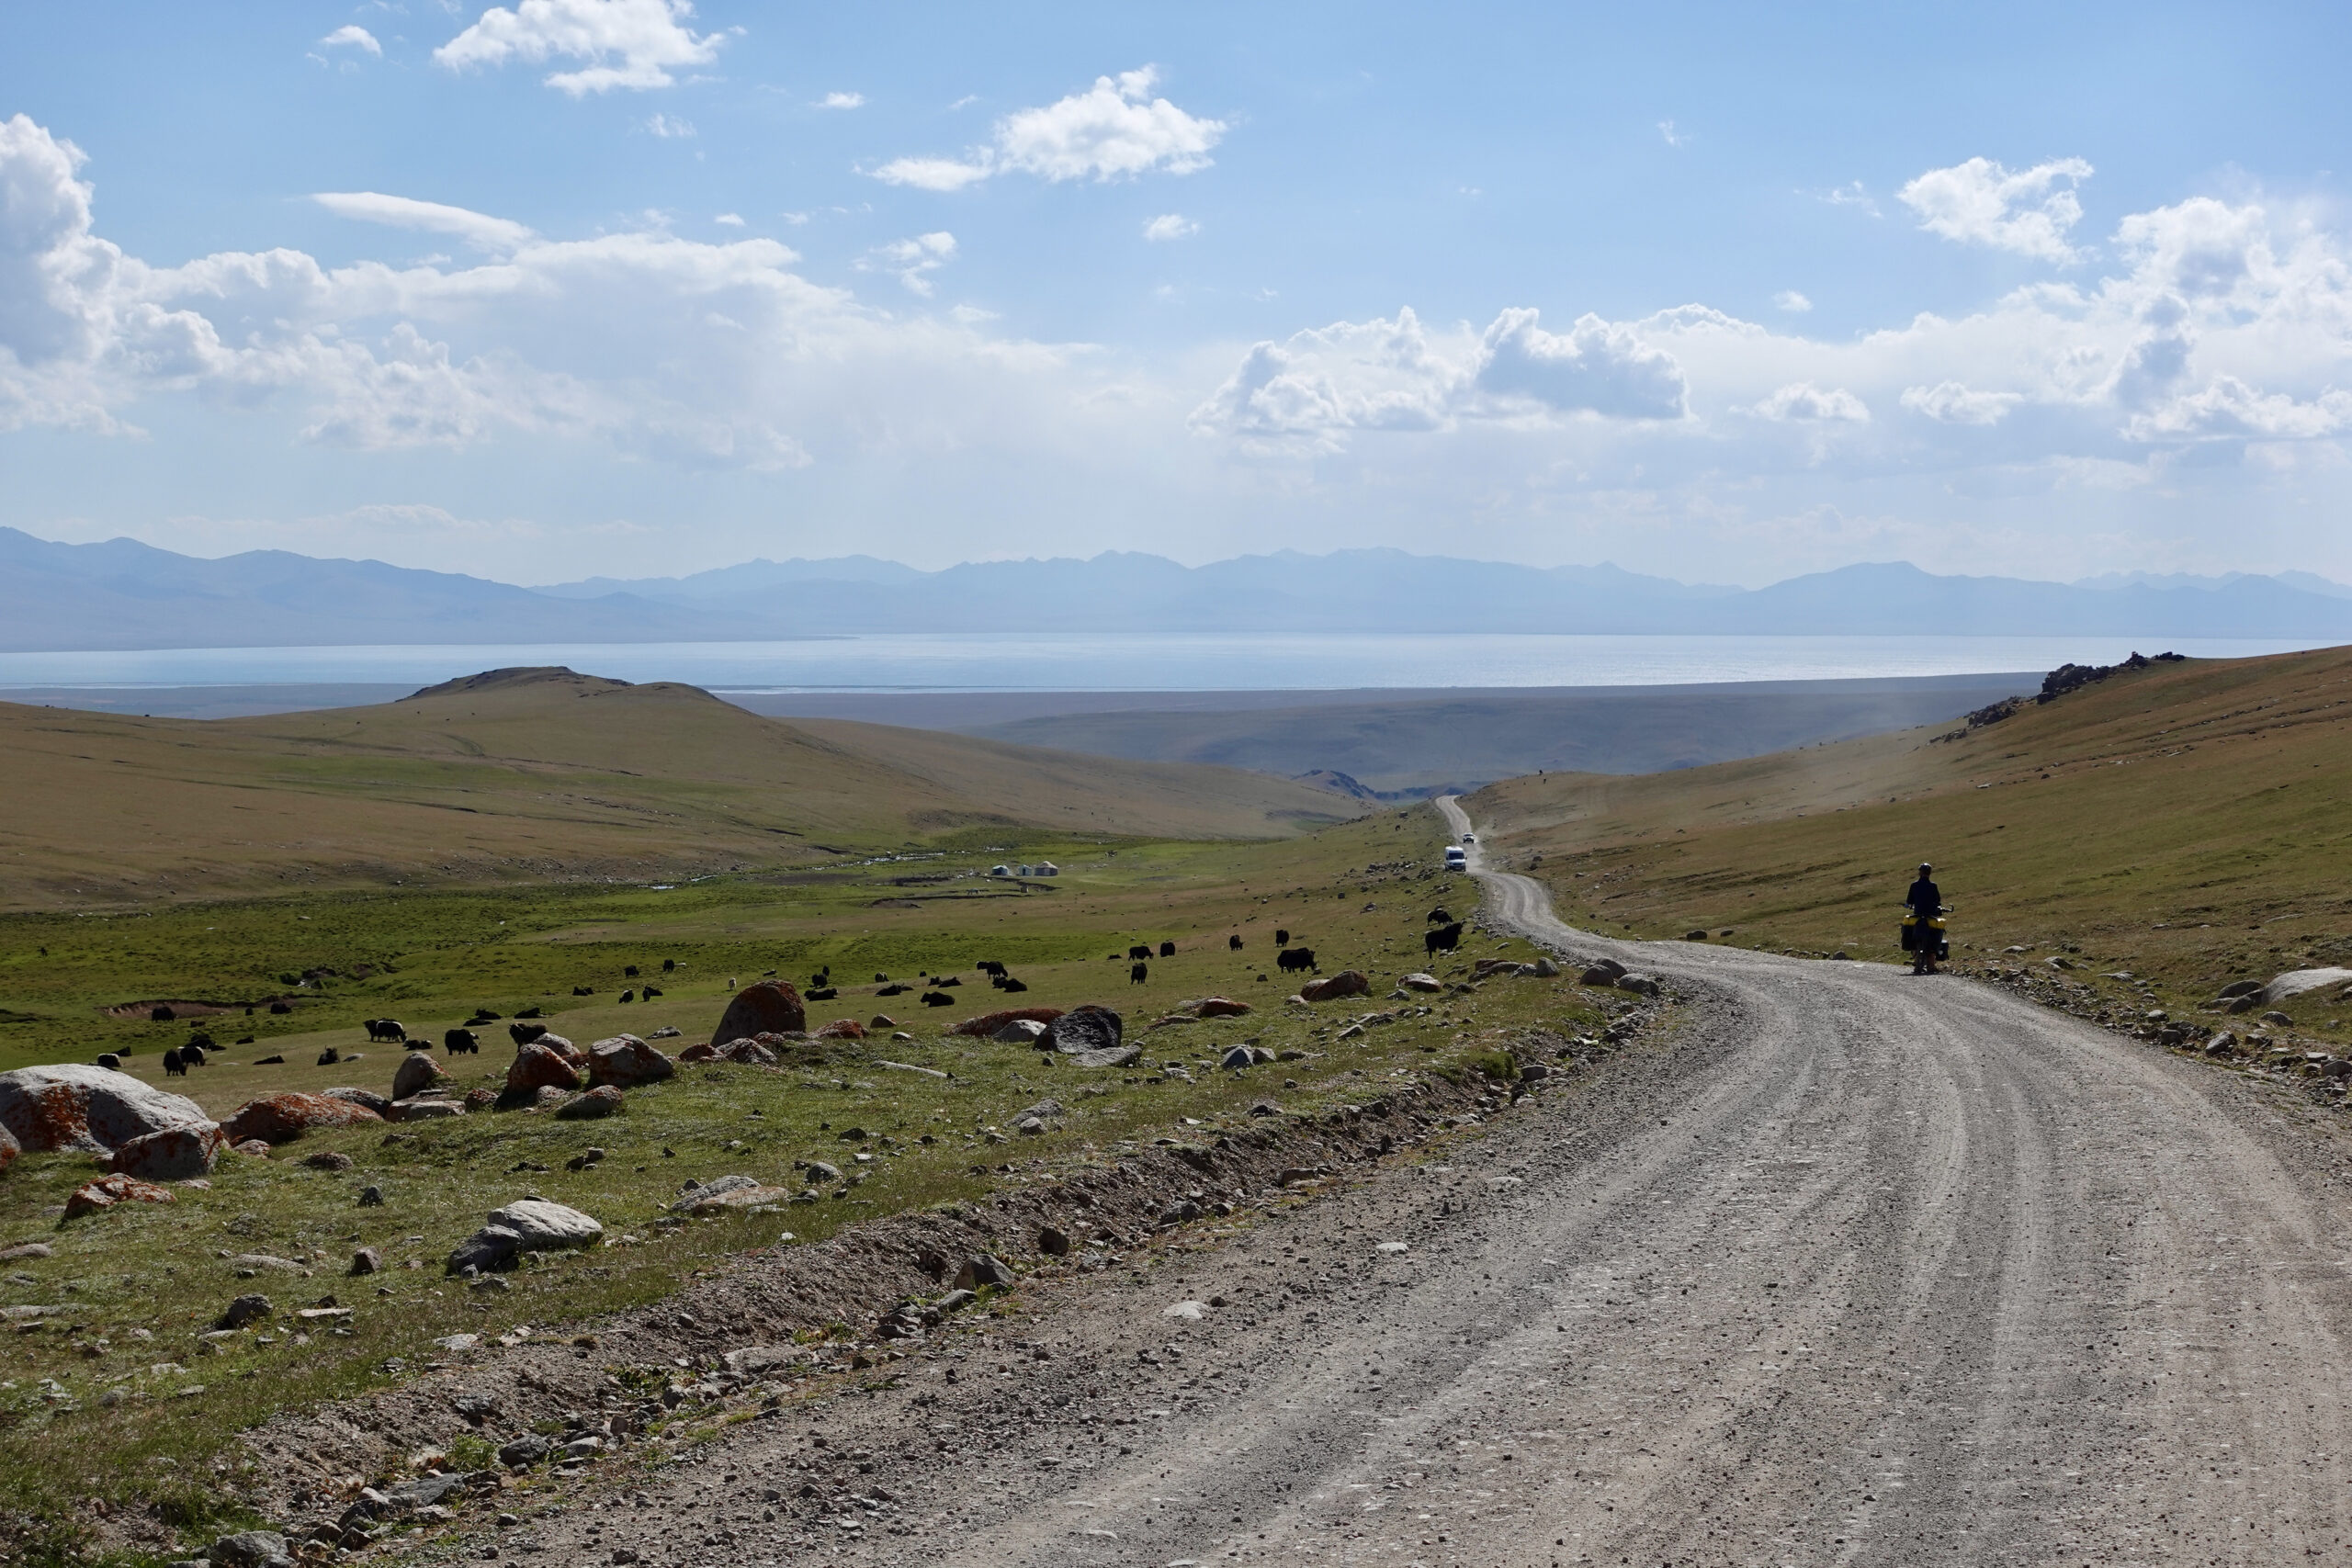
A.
x: 1454, y: 859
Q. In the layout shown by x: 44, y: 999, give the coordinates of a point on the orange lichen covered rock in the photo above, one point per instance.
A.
x: 281, y: 1118
x: 538, y: 1066
x: 109, y: 1190
x: 72, y: 1106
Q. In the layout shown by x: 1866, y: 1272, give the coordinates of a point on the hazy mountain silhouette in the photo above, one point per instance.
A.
x: 123, y: 594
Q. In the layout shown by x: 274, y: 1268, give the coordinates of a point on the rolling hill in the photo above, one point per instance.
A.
x: 543, y: 775
x: 2186, y: 821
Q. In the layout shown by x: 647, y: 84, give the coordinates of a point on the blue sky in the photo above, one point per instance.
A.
x: 616, y: 286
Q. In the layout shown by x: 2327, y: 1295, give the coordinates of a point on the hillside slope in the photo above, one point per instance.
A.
x: 1464, y: 739
x: 2187, y: 821
x: 537, y: 775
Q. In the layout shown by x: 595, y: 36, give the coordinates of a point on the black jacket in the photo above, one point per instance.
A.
x: 1924, y: 897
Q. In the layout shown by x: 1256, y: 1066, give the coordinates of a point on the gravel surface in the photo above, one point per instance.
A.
x: 1854, y: 1267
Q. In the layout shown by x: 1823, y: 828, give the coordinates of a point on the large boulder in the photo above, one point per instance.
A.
x: 1221, y: 1007
x: 985, y: 1026
x: 530, y: 1225
x: 624, y: 1061
x: 841, y: 1029
x: 2295, y: 982
x: 88, y: 1108
x: 1086, y: 1027
x: 1346, y: 983
x: 367, y: 1097
x: 417, y: 1072
x: 536, y: 1067
x: 1020, y: 1032
x: 601, y: 1101
x: 175, y: 1154
x: 280, y: 1118
x: 1108, y: 1056
x: 767, y: 1007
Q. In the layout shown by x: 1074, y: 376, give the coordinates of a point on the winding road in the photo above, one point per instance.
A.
x: 1860, y: 1268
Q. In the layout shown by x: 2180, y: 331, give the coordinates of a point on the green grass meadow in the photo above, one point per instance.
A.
x: 118, y: 1396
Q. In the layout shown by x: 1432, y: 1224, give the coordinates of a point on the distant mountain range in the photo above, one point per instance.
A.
x: 123, y: 594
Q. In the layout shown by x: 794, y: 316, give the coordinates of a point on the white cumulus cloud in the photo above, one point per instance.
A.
x: 625, y: 44
x: 476, y: 229
x: 1953, y: 402
x: 669, y: 127
x: 640, y: 343
x: 1802, y: 400
x: 1114, y: 130
x: 1789, y: 299
x: 1310, y: 392
x: 1596, y: 367
x: 841, y: 101
x: 351, y: 35
x: 1170, y: 226
x: 1980, y: 202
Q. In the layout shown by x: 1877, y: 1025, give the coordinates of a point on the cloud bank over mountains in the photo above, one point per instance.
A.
x: 2203, y: 325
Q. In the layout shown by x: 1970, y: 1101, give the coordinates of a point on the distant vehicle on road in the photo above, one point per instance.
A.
x: 1469, y: 837
x: 1454, y: 859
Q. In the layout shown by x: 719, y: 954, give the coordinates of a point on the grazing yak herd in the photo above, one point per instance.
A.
x: 1445, y: 935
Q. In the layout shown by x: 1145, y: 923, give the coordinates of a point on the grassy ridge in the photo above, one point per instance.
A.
x: 538, y: 777
x: 2186, y: 823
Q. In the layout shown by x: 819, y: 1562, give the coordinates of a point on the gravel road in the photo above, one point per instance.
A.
x: 1857, y: 1268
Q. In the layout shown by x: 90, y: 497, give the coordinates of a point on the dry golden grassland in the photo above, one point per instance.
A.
x: 542, y: 776
x: 2186, y: 823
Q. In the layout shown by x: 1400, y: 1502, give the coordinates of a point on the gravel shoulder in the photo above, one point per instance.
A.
x: 1845, y: 1267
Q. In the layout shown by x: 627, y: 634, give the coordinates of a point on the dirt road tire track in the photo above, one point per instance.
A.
x: 1862, y: 1269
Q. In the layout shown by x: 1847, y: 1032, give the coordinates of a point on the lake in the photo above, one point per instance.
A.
x: 1152, y: 662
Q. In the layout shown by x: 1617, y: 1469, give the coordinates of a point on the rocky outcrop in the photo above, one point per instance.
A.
x: 175, y: 1154
x: 2295, y: 982
x: 281, y: 1118
x: 732, y: 1192
x: 417, y: 1072
x: 109, y: 1190
x: 624, y: 1061
x: 767, y: 1006
x: 1346, y: 983
x: 1087, y: 1027
x: 531, y: 1224
x: 985, y: 1026
x: 88, y: 1108
x: 598, y: 1102
x: 536, y: 1066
